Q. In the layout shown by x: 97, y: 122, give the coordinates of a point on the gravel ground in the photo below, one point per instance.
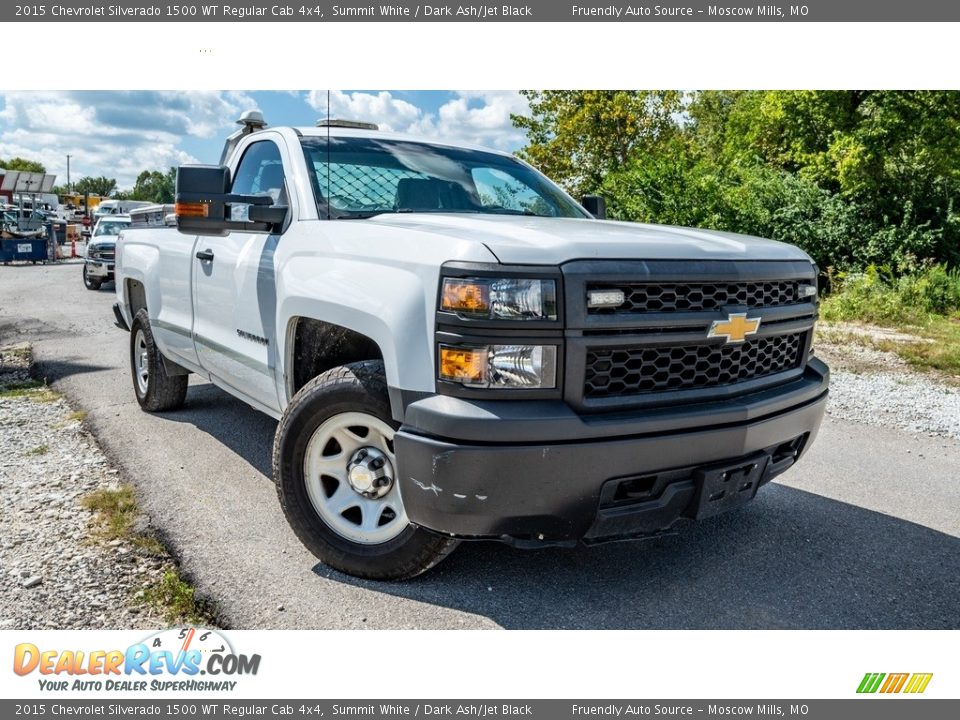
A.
x: 878, y: 388
x: 53, y: 573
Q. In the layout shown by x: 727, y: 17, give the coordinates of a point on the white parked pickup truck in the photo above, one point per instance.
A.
x: 457, y: 350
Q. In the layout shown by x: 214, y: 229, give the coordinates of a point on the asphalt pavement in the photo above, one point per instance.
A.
x: 863, y: 533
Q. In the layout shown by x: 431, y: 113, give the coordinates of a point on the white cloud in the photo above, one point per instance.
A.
x: 390, y: 113
x: 113, y: 133
x: 483, y: 118
x: 471, y: 116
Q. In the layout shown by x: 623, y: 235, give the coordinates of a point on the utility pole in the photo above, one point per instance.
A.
x: 69, y: 187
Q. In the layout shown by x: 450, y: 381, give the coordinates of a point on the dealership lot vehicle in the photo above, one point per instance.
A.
x: 113, y: 208
x: 456, y: 349
x: 98, y: 262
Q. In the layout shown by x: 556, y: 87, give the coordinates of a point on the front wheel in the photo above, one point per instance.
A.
x: 91, y: 283
x: 335, y: 469
x: 156, y: 391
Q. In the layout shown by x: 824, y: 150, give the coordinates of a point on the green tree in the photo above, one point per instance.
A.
x: 95, y: 185
x: 22, y: 164
x: 577, y: 137
x: 155, y: 186
x: 854, y: 177
x: 891, y: 156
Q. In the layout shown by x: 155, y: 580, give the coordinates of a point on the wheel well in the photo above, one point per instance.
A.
x: 319, y: 346
x: 136, y: 296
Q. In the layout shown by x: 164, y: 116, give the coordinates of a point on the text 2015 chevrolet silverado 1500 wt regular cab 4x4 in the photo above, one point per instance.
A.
x: 456, y: 349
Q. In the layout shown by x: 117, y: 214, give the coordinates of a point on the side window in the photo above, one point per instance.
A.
x: 260, y: 171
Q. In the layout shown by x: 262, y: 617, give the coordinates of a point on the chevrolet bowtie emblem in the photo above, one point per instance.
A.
x: 735, y: 328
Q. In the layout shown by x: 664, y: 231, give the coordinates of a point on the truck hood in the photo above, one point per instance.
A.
x: 102, y: 245
x: 526, y: 240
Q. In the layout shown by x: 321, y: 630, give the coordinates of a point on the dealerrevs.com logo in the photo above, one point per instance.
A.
x: 890, y: 683
x: 180, y: 659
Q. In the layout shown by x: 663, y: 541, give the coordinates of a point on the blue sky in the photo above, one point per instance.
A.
x: 120, y: 133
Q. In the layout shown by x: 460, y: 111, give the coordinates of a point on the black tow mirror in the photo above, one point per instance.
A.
x: 596, y: 206
x: 200, y: 199
x: 206, y: 207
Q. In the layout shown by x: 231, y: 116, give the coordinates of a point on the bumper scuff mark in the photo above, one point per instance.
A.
x: 436, y: 490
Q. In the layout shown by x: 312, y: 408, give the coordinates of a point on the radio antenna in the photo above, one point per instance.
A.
x: 328, y: 153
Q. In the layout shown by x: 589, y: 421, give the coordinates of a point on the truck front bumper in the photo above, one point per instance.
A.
x: 537, y: 474
x: 100, y: 269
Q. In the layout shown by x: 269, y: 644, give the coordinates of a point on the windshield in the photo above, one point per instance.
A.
x: 109, y: 228
x: 369, y: 176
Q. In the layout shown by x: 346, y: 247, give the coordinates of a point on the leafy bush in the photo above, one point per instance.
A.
x: 933, y: 290
x: 877, y: 295
x: 674, y: 190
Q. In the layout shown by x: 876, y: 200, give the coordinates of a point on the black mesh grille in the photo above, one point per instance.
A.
x: 358, y: 187
x: 695, y: 297
x: 615, y: 372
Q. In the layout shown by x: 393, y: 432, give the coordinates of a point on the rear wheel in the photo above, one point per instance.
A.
x: 335, y: 469
x: 156, y: 391
x: 91, y: 283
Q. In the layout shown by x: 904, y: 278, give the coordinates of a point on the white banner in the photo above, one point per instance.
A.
x: 449, y: 664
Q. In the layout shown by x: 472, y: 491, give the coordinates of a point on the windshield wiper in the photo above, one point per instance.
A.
x: 360, y: 215
x: 500, y: 210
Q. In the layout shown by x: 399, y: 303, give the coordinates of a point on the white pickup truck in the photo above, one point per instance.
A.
x: 457, y: 350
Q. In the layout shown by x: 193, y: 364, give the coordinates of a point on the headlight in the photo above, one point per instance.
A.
x: 500, y: 298
x: 530, y: 367
x: 808, y: 291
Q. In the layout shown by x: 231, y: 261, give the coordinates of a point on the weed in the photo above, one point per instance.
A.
x: 116, y: 511
x: 29, y: 389
x: 176, y: 599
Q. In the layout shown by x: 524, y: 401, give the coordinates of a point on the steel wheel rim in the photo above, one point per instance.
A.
x: 141, y: 368
x: 348, y: 513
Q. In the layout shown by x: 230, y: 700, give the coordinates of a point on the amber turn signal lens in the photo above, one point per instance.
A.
x: 462, y: 364
x: 192, y: 209
x: 465, y: 296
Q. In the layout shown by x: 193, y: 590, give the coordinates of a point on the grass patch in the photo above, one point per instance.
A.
x: 116, y: 511
x: 148, y: 543
x: 38, y: 450
x: 177, y: 601
x: 77, y: 416
x: 924, y: 303
x: 115, y: 518
x: 942, y: 354
x: 29, y: 389
x: 116, y: 515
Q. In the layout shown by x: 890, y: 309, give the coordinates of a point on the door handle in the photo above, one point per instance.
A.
x: 205, y: 255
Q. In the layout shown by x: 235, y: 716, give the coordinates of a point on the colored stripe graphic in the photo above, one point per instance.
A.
x: 918, y: 682
x: 894, y: 683
x: 870, y: 682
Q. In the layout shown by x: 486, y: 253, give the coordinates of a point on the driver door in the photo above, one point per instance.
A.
x: 235, y: 292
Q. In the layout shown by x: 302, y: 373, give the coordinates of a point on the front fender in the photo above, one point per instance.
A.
x: 393, y: 306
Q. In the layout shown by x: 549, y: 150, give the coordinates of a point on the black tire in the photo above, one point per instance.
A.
x: 90, y: 283
x: 357, y: 387
x: 159, y: 391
